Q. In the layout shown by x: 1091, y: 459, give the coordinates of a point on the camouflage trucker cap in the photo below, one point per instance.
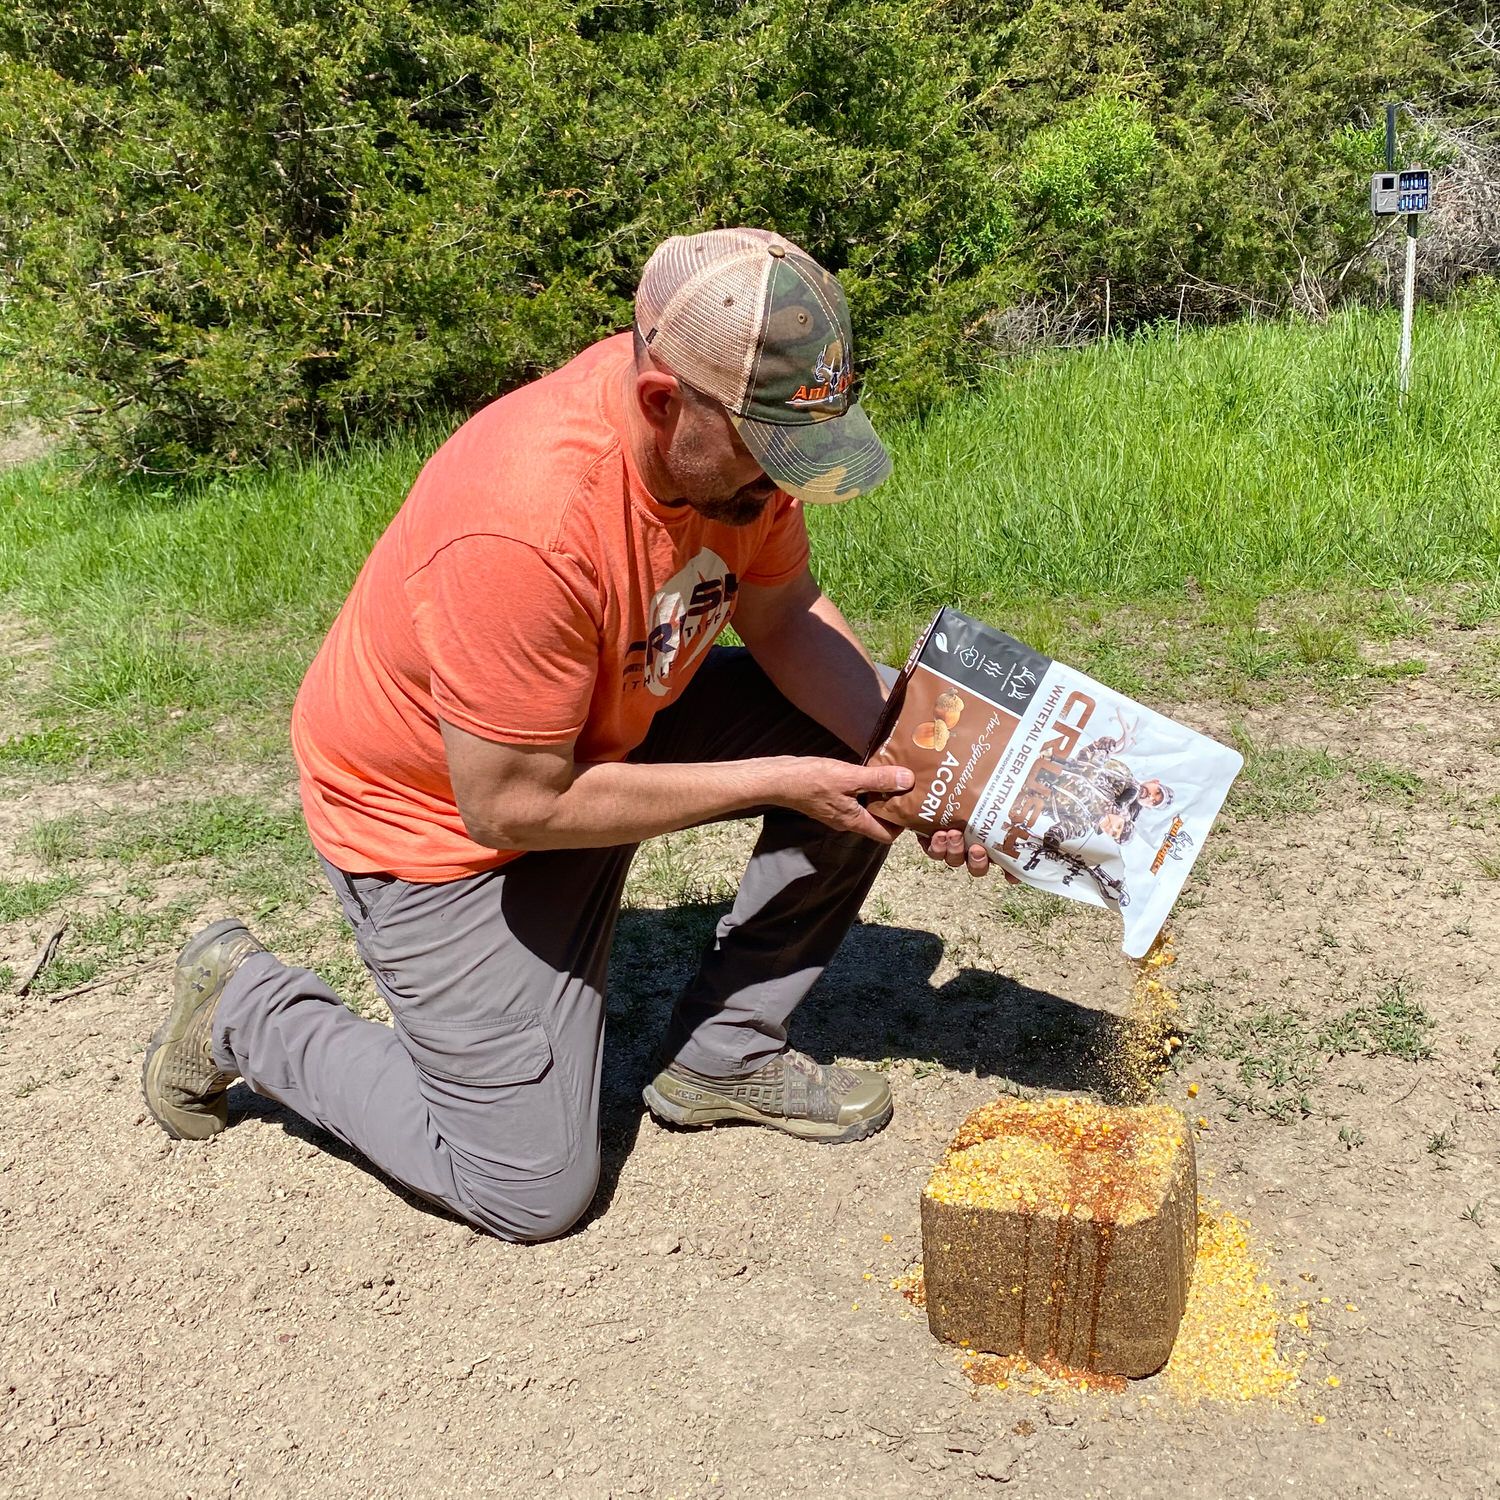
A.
x: 753, y: 321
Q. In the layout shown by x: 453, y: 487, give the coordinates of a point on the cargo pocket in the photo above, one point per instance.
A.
x: 487, y: 1054
x: 497, y: 1099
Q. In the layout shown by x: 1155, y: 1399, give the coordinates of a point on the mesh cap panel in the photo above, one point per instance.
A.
x: 701, y: 304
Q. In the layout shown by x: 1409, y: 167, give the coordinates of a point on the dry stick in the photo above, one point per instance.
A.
x: 119, y: 974
x: 1407, y: 1095
x: 52, y: 129
x: 42, y: 960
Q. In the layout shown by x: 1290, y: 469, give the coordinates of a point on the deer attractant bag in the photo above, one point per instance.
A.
x: 1070, y: 786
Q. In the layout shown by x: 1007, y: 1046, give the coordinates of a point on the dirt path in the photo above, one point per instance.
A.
x: 261, y: 1315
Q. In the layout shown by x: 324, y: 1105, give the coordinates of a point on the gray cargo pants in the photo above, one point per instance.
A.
x: 485, y: 1095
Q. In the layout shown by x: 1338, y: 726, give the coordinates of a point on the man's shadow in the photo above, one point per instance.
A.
x: 876, y: 1001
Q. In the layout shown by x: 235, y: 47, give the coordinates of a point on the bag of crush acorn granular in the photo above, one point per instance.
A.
x: 1070, y: 786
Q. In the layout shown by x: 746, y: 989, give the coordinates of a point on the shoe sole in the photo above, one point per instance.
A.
x: 722, y: 1111
x: 176, y: 1022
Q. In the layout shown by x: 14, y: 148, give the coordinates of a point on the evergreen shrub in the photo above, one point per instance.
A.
x: 232, y: 228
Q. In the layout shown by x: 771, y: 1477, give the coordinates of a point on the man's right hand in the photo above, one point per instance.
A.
x: 829, y: 790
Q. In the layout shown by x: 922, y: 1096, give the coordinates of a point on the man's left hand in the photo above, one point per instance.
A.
x: 947, y: 845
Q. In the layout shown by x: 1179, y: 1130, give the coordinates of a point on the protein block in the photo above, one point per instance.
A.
x: 1064, y: 1231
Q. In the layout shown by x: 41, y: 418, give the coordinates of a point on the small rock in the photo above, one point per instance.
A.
x: 666, y: 1244
x: 995, y: 1463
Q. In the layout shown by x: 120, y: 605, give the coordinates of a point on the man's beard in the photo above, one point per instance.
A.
x: 743, y: 508
x: 700, y: 478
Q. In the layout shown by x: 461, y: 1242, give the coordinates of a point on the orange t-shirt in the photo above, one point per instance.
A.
x: 529, y: 591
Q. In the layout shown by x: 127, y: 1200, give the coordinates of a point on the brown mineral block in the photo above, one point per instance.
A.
x: 1064, y: 1231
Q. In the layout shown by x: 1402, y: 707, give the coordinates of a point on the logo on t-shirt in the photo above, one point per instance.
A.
x: 684, y: 616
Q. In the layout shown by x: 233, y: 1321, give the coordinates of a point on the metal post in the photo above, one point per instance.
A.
x: 1390, y: 137
x: 1408, y: 296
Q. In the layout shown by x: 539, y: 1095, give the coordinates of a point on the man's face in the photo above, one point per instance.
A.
x: 1150, y: 793
x: 712, y: 470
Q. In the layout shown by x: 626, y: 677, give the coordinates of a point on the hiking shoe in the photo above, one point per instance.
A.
x: 790, y: 1093
x: 185, y: 1088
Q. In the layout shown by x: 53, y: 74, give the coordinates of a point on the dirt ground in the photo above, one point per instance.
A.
x: 262, y: 1315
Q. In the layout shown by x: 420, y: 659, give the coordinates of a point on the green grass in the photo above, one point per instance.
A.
x: 1277, y: 1049
x: 1385, y: 783
x: 117, y: 936
x: 1282, y: 781
x: 1253, y: 458
x: 227, y: 827
x: 30, y: 898
x: 1394, y: 1025
x: 1246, y: 509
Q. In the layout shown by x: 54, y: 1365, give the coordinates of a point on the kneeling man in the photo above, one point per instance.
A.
x: 520, y: 688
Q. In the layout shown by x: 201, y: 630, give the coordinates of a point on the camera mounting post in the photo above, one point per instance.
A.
x: 1407, y: 191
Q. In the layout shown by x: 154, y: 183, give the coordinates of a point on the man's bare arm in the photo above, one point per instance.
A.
x: 536, y: 797
x: 802, y: 642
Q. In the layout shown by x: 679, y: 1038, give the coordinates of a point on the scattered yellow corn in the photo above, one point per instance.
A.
x: 1226, y: 1347
x: 1148, y: 1036
x: 912, y: 1285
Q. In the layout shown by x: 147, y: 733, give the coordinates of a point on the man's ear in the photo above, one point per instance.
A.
x: 659, y: 397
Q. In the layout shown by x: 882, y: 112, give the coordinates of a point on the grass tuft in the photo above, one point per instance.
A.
x: 1281, y: 781
x: 1395, y: 1025
x: 1385, y: 783
x: 20, y: 899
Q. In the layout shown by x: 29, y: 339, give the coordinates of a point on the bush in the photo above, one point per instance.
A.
x: 232, y: 229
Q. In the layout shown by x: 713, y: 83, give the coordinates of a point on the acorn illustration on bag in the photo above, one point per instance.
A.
x: 948, y: 708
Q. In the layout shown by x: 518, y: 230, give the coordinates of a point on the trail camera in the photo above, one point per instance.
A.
x: 1408, y: 192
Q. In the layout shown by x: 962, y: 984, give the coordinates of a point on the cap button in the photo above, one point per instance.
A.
x: 775, y: 250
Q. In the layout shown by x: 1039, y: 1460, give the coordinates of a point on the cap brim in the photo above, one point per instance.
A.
x: 819, y: 462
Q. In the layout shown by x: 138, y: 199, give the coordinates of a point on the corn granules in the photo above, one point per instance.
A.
x: 1063, y: 1230
x: 1063, y: 1156
x: 912, y: 1285
x: 1148, y: 1035
x: 1226, y: 1348
x: 1045, y: 1378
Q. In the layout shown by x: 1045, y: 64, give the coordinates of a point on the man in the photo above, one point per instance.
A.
x: 1095, y: 791
x: 519, y: 689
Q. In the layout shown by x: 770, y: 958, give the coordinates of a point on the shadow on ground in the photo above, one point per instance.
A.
x: 876, y: 1002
